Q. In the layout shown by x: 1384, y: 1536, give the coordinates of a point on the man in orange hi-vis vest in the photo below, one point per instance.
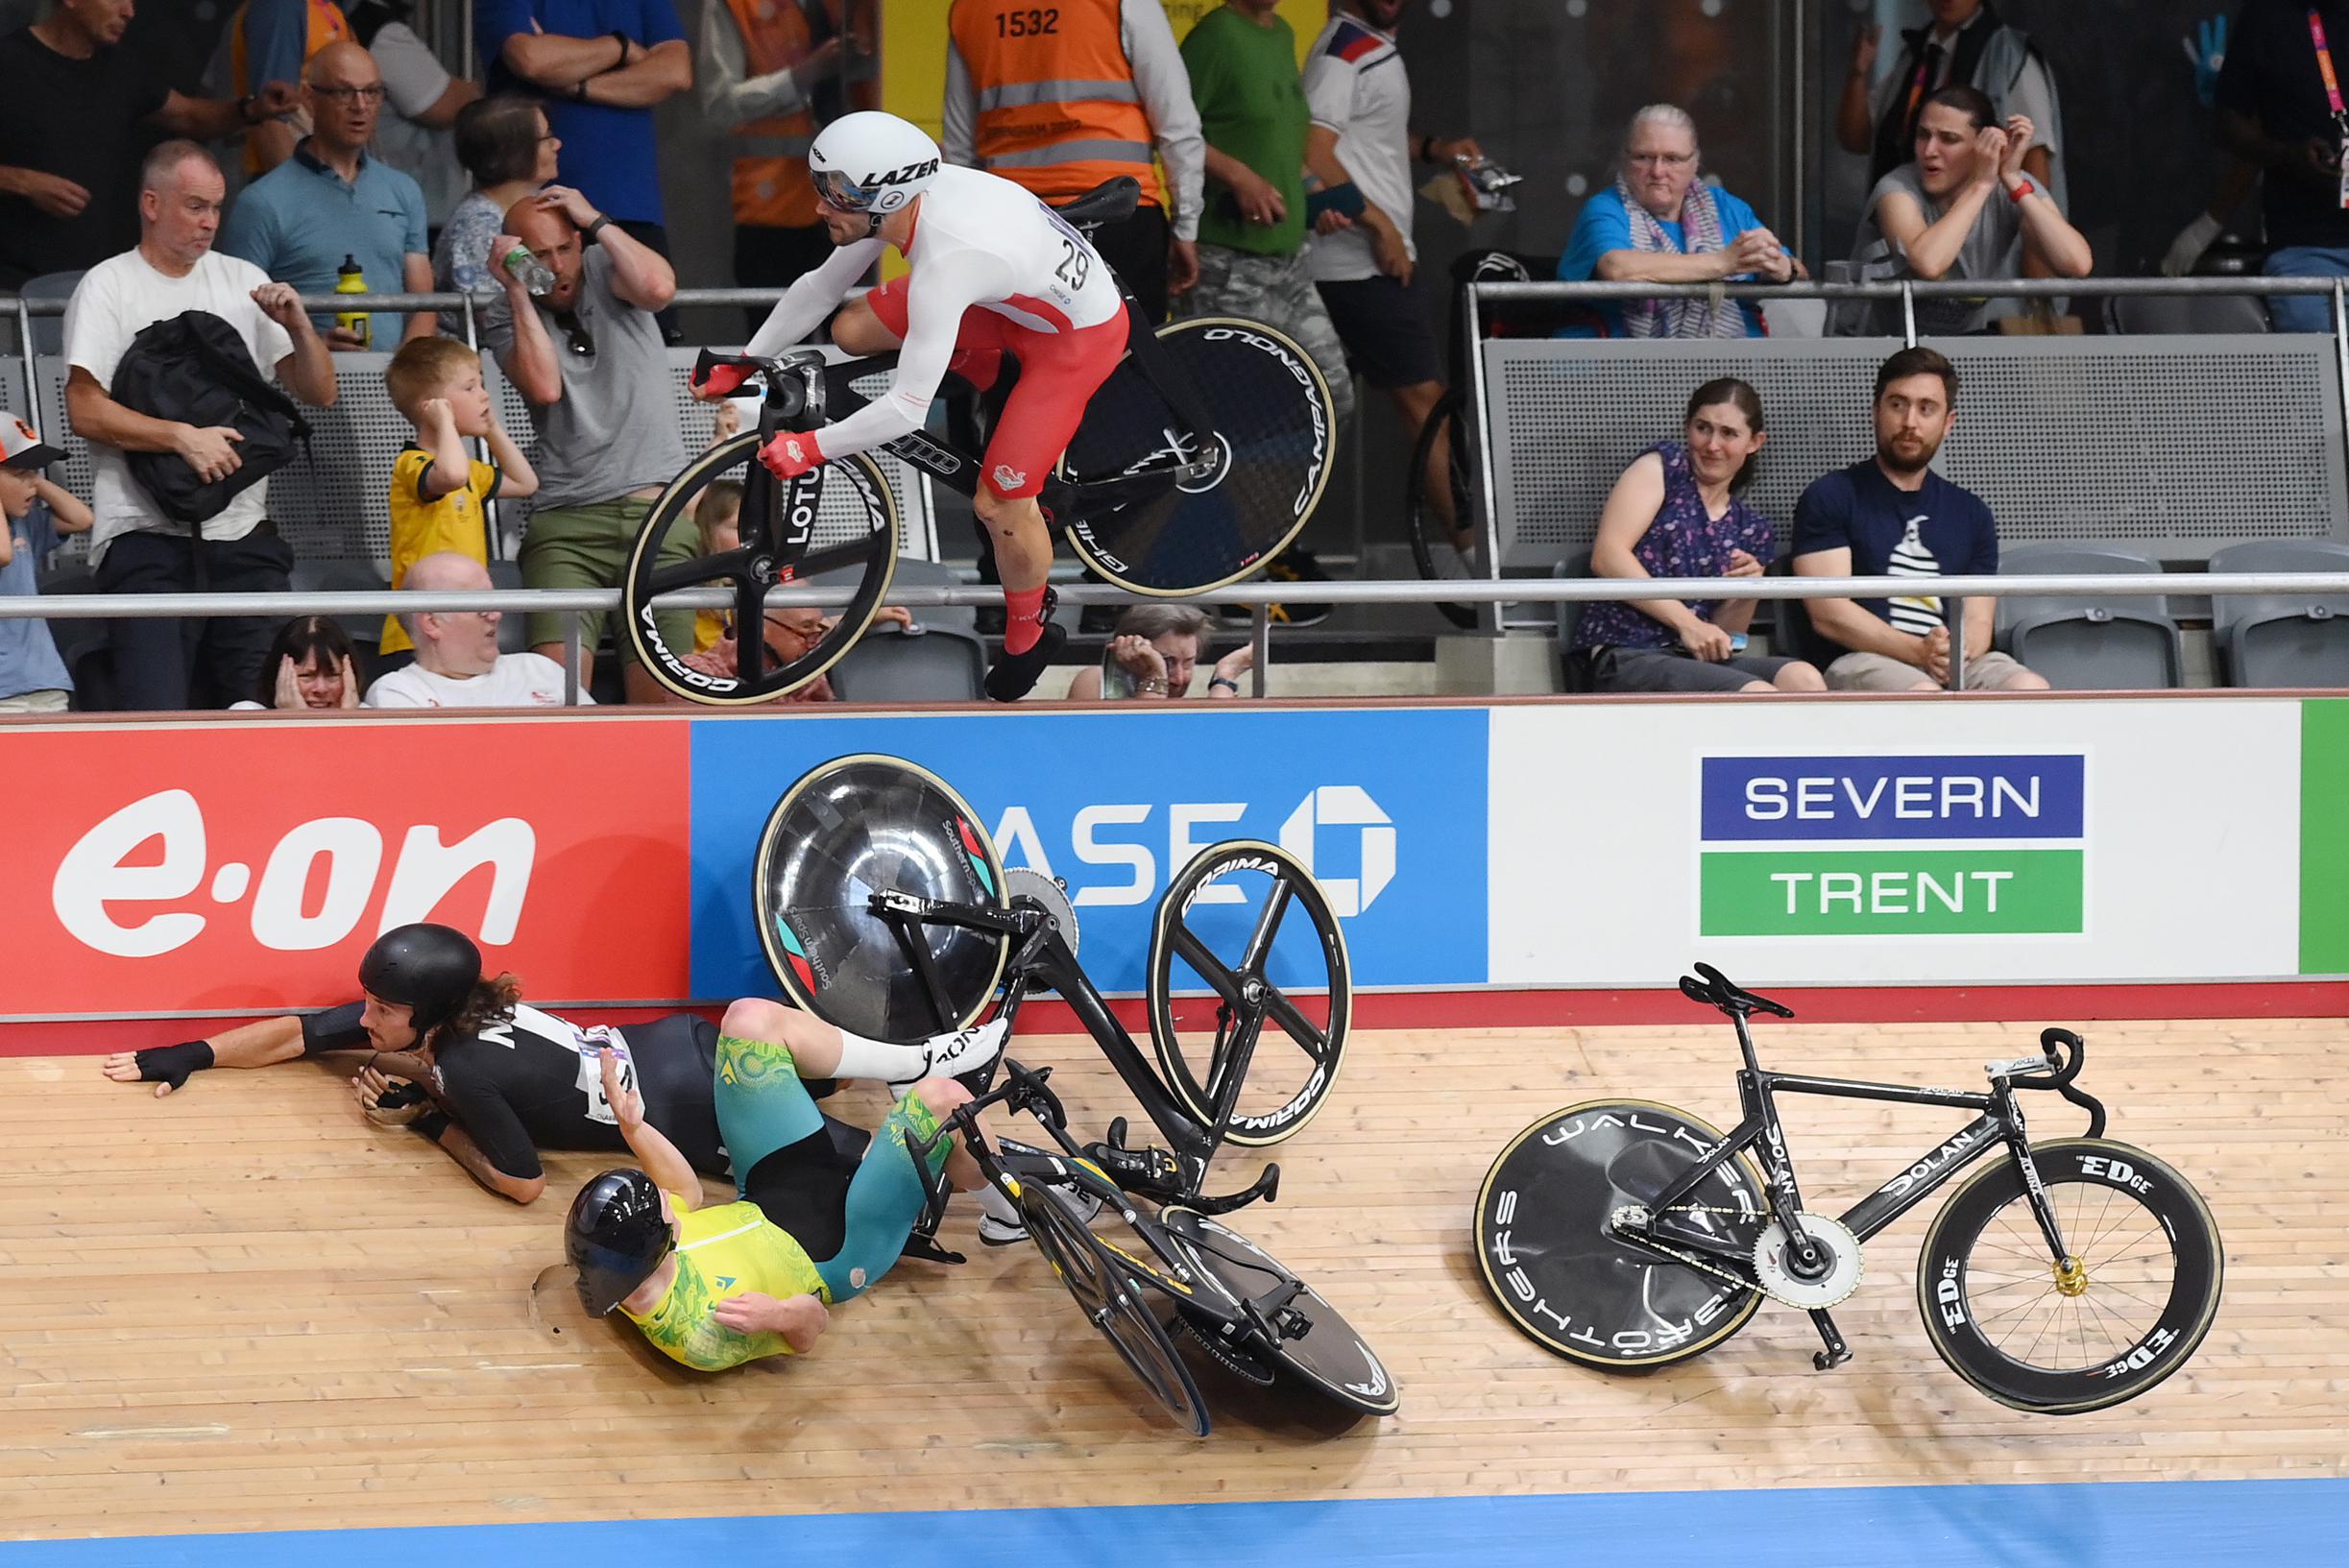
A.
x: 774, y: 72
x: 271, y: 41
x: 1060, y: 97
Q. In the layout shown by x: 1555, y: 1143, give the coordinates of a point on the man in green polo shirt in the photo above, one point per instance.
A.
x: 332, y: 200
x: 1242, y: 58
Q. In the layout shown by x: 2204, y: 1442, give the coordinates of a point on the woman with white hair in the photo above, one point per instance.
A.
x: 1658, y: 223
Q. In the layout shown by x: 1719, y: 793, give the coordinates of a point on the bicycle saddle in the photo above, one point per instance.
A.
x: 1717, y: 990
x: 1105, y: 203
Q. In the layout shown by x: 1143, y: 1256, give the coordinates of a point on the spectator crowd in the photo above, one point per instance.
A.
x: 326, y: 163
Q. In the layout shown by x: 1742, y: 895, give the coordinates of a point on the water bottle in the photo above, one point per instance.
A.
x: 530, y: 272
x: 349, y: 280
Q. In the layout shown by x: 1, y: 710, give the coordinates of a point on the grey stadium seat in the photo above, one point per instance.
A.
x: 912, y: 571
x: 346, y: 577
x: 2187, y: 313
x: 2082, y: 642
x: 512, y: 626
x: 934, y: 663
x: 2283, y: 640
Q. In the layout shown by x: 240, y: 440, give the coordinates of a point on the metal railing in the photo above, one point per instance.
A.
x: 1954, y: 591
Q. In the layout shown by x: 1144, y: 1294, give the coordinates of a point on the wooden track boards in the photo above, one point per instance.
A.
x: 242, y: 1307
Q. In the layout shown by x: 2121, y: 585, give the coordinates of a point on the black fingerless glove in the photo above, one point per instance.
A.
x: 401, y: 1096
x: 172, y: 1064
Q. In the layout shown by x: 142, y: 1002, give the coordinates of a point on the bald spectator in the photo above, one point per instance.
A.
x: 160, y: 663
x: 77, y: 111
x: 588, y: 360
x: 457, y: 661
x: 333, y: 201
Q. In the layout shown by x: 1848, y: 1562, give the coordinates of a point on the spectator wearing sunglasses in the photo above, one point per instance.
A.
x: 334, y: 201
x: 588, y: 359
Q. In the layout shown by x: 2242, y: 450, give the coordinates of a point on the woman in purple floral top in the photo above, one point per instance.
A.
x: 1675, y: 513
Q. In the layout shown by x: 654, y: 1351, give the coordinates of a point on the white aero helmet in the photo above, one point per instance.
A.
x: 872, y: 162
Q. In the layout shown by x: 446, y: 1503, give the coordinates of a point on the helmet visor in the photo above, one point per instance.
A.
x: 839, y: 191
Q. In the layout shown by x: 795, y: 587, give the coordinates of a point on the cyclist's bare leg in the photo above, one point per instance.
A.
x: 1416, y: 402
x: 1023, y: 545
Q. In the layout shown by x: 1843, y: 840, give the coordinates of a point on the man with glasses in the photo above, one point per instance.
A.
x: 457, y: 661
x: 588, y: 359
x: 333, y: 203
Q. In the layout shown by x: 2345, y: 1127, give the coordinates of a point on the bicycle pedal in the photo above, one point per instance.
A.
x: 1152, y: 1171
x: 927, y: 1249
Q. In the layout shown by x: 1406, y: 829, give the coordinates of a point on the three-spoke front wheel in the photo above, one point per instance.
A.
x: 1249, y: 985
x: 838, y: 523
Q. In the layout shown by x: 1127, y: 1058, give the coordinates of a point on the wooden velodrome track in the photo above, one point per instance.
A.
x: 244, y: 1307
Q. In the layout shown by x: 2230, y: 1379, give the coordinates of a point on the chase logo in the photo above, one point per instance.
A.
x: 1340, y: 807
x: 1974, y: 846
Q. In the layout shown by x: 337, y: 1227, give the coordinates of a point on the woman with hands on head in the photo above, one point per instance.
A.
x: 311, y: 667
x: 1676, y: 512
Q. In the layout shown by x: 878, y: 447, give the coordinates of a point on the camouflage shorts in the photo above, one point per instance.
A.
x: 1276, y: 290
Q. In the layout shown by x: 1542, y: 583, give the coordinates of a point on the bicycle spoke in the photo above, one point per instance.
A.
x: 848, y: 553
x: 693, y: 573
x: 1295, y: 1023
x: 1208, y: 967
x: 1268, y: 926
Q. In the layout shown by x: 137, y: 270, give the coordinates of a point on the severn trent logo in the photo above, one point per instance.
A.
x: 1972, y: 846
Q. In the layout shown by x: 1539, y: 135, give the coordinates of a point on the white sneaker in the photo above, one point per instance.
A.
x: 1000, y: 1223
x: 963, y: 1051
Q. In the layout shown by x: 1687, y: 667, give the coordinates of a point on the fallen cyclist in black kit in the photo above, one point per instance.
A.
x: 461, y: 1061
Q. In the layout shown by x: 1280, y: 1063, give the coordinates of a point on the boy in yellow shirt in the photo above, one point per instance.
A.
x: 439, y: 489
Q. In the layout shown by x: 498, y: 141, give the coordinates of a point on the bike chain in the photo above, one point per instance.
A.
x: 1696, y: 1261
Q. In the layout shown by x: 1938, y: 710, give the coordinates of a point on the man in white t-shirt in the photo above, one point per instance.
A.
x: 457, y: 661
x: 162, y: 664
x: 1361, y: 148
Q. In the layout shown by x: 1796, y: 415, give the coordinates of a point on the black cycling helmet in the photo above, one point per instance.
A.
x: 429, y: 968
x: 616, y: 1237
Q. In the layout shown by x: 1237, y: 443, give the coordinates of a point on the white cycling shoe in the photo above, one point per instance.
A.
x: 965, y: 1051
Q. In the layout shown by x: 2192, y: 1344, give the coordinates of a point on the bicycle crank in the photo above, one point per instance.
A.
x: 1828, y: 1282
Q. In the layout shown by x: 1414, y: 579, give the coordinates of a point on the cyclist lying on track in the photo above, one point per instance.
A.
x: 994, y: 271
x: 495, y: 1082
x: 714, y: 1287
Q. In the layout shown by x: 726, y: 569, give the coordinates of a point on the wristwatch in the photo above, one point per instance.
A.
x: 1225, y: 682
x: 2022, y: 186
x: 589, y: 234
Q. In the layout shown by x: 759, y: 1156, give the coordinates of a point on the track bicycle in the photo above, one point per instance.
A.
x: 2073, y: 1274
x: 1199, y: 460
x: 884, y: 909
x: 1185, y: 1278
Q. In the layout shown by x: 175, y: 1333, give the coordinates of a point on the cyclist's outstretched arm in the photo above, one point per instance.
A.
x: 810, y: 298
x: 933, y: 322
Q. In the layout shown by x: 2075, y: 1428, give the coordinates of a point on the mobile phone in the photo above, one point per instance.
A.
x: 1738, y: 642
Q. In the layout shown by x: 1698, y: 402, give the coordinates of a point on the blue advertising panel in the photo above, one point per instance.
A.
x: 1387, y: 808
x: 1781, y: 798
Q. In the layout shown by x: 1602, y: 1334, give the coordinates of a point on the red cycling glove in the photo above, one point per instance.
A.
x: 790, y: 454
x: 722, y: 380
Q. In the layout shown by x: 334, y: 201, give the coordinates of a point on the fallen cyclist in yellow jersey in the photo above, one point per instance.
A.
x: 713, y: 1286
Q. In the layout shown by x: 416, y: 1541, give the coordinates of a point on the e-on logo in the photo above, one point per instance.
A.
x: 1967, y: 840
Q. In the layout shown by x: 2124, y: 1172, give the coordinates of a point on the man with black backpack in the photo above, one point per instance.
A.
x: 202, y: 414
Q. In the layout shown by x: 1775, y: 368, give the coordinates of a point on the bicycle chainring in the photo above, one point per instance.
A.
x: 1048, y: 893
x: 1831, y: 1289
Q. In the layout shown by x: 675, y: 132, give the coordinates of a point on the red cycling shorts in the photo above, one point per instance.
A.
x: 1060, y: 372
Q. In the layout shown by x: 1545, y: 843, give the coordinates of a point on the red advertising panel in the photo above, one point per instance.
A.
x: 210, y: 868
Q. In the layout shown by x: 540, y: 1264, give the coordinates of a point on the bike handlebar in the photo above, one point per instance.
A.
x: 788, y: 377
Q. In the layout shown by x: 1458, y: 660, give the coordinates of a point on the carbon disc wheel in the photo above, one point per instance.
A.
x: 1274, y: 439
x: 858, y: 826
